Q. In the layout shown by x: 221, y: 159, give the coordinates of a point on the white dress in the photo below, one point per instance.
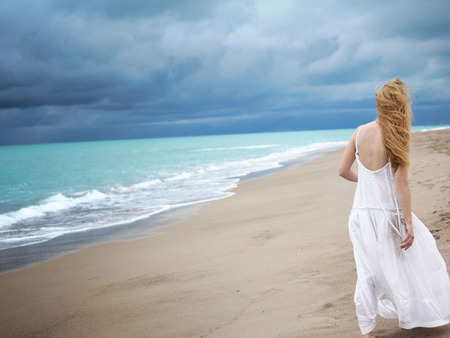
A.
x: 411, y: 285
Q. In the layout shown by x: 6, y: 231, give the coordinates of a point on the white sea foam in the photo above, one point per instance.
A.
x: 263, y: 146
x: 180, y: 176
x: 270, y: 161
x: 431, y: 128
x: 144, y: 185
x: 51, y: 204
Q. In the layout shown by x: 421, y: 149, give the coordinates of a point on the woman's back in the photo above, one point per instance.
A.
x: 370, y: 147
x: 375, y: 188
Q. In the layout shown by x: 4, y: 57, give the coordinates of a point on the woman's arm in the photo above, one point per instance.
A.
x: 345, y: 167
x: 404, y: 199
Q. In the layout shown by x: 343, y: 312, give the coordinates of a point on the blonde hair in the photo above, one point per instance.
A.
x: 394, y: 118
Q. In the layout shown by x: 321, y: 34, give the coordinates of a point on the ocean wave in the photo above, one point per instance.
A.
x: 51, y: 204
x: 432, y: 128
x: 270, y: 161
x: 136, y: 186
x: 263, y: 146
x: 181, y: 176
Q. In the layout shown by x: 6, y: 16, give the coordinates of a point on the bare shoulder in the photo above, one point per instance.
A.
x: 365, y: 127
x: 371, y: 125
x: 370, y: 128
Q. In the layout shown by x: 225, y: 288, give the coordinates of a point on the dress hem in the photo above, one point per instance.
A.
x: 435, y: 323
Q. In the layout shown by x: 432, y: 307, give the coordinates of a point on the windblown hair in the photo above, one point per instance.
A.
x: 394, y: 118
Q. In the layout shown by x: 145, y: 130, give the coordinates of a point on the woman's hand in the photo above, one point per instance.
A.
x: 404, y: 199
x: 409, y: 239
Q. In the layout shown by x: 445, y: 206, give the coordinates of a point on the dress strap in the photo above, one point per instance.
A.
x: 356, y: 141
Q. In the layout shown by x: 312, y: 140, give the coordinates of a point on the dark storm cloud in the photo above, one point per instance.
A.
x: 108, y: 69
x: 181, y: 9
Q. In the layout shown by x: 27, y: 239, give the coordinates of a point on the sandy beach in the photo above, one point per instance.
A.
x: 273, y: 260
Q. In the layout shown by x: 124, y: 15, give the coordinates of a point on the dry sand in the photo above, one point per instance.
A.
x: 274, y: 260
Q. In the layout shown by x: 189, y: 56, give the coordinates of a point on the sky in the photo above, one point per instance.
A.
x: 79, y: 70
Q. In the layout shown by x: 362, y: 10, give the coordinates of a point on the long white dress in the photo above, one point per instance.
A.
x: 411, y: 285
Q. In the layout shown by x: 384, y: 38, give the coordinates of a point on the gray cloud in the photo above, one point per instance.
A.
x: 131, y: 9
x: 83, y: 65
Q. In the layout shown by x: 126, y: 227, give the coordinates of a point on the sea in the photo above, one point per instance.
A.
x: 50, y: 190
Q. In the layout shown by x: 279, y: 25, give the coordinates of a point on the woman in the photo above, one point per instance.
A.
x: 401, y: 274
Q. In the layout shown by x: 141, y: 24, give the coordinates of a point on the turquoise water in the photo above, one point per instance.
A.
x: 52, y: 189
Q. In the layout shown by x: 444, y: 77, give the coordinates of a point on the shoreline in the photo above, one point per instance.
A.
x: 13, y: 259
x: 24, y: 256
x: 274, y: 259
